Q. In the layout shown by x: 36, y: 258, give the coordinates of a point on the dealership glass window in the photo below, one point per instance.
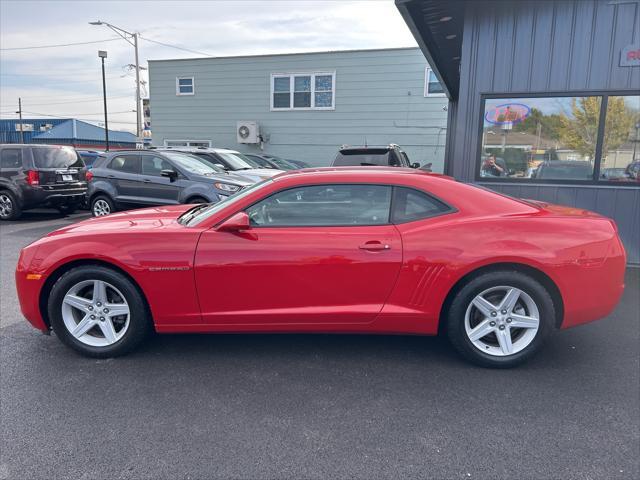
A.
x: 432, y: 87
x: 545, y: 138
x: 324, y: 205
x: 306, y: 91
x: 185, y: 86
x: 621, y: 140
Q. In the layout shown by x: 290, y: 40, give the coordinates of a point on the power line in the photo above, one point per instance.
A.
x: 87, y: 100
x: 59, y: 45
x: 175, y: 46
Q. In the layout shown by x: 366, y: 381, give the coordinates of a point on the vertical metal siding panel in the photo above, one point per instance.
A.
x: 581, y: 45
x: 542, y: 38
x: 606, y: 202
x: 562, y: 46
x: 601, y: 58
x: 523, y: 48
x: 505, y: 37
x: 587, y: 199
x: 565, y: 196
x: 626, y: 216
x: 634, y: 73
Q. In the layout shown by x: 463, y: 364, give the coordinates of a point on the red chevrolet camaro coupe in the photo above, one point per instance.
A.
x: 342, y: 250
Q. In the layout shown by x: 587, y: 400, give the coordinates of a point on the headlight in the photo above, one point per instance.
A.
x: 226, y: 187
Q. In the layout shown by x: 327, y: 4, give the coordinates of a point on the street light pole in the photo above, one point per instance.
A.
x: 125, y: 34
x: 103, y: 54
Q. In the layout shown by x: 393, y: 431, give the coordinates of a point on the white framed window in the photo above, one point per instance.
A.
x: 432, y: 86
x: 187, y: 143
x: 185, y: 86
x: 303, y: 91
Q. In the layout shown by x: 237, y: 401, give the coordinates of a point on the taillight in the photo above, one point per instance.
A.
x: 88, y: 175
x: 33, y: 177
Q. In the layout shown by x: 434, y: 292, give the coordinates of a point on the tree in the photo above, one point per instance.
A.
x: 580, y: 132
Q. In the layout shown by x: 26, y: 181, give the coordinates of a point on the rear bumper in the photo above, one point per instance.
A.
x: 592, y: 291
x: 44, y: 195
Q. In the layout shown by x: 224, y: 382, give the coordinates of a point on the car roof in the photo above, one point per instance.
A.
x: 348, y: 172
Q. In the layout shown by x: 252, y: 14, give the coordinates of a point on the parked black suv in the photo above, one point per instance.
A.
x: 138, y: 178
x: 390, y: 156
x: 34, y: 176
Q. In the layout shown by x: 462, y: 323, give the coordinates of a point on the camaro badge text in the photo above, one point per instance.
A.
x: 167, y: 269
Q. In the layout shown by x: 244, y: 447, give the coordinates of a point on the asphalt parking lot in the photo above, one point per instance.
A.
x: 304, y: 406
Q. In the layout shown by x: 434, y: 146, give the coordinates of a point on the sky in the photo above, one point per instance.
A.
x: 66, y: 81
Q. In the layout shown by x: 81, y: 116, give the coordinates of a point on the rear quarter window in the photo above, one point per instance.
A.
x: 410, y: 205
x: 56, y: 157
x: 11, y: 158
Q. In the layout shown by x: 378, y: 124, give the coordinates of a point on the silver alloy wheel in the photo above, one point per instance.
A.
x: 502, y: 321
x: 101, y: 208
x: 6, y: 206
x: 95, y: 313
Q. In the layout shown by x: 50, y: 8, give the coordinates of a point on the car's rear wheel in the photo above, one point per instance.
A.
x: 102, y: 205
x: 197, y: 200
x: 9, y: 206
x: 98, y: 312
x: 500, y: 319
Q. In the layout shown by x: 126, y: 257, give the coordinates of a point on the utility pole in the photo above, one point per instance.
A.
x: 128, y: 36
x: 19, y: 112
x: 103, y: 54
x: 138, y: 112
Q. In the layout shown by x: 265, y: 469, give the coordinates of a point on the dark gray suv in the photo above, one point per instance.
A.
x: 34, y: 176
x: 137, y: 178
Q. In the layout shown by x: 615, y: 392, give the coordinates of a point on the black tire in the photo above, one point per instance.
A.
x: 68, y: 209
x: 197, y: 200
x: 455, y: 320
x: 97, y: 201
x: 140, y: 323
x: 10, y: 208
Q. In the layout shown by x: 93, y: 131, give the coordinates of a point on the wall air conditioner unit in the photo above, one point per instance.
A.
x: 247, y: 132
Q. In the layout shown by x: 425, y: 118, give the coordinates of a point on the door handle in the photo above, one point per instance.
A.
x: 375, y: 246
x: 111, y: 176
x: 146, y: 180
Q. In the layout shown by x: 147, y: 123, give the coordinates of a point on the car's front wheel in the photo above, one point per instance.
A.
x: 500, y: 319
x: 98, y: 312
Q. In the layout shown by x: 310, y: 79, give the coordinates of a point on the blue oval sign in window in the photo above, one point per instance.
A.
x: 507, y: 113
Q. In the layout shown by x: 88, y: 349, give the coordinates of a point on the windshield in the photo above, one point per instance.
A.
x: 206, y: 212
x: 192, y: 163
x: 349, y: 158
x: 56, y: 157
x: 237, y: 161
x: 283, y: 164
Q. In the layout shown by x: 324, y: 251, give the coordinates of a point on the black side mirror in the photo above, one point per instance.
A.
x: 415, y: 165
x: 171, y: 174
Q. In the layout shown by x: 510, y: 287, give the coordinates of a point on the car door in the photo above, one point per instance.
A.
x: 154, y: 188
x: 316, y: 254
x: 123, y: 171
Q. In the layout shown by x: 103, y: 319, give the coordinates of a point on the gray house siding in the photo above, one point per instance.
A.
x: 567, y: 47
x: 379, y: 99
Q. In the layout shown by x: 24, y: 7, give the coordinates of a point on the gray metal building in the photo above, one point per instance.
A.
x: 301, y: 106
x: 544, y: 98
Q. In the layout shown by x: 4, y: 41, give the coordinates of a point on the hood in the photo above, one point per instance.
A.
x: 258, y: 174
x: 143, y: 219
x: 229, y: 177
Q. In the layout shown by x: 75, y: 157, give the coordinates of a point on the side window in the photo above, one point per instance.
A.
x: 11, y: 158
x: 410, y: 205
x: 125, y: 163
x: 152, y: 165
x: 324, y: 205
x: 405, y: 159
x: 394, y: 159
